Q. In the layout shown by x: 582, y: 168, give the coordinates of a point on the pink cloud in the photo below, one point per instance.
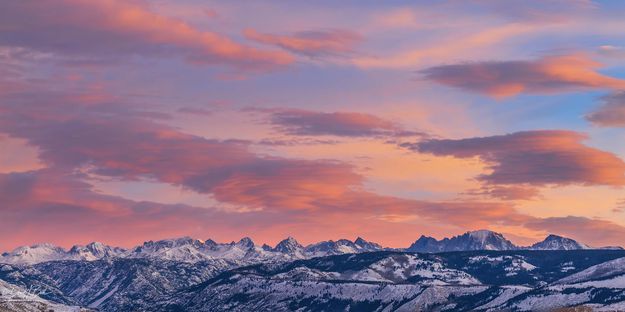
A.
x: 112, y: 28
x: 539, y: 157
x: 611, y: 113
x: 115, y: 140
x: 507, y: 78
x: 349, y: 124
x: 55, y: 206
x: 103, y: 135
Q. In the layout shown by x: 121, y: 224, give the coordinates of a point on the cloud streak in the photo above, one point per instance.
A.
x: 346, y: 124
x: 318, y: 43
x: 507, y: 192
x: 551, y: 74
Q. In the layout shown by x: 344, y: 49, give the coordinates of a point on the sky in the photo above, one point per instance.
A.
x: 127, y: 121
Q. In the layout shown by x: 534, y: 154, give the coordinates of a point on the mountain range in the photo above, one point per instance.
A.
x: 190, y: 250
x: 475, y: 271
x: 245, y: 251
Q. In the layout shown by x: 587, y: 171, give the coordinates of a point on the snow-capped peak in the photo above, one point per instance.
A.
x: 245, y: 242
x: 182, y: 249
x: 288, y: 245
x: 188, y: 249
x: 209, y: 243
x: 483, y: 235
x: 34, y: 254
x: 365, y: 245
x: 342, y: 246
x: 486, y: 240
x: 425, y: 244
x: 474, y: 240
x: 174, y: 242
x: 93, y: 251
x: 555, y: 242
x: 48, y: 252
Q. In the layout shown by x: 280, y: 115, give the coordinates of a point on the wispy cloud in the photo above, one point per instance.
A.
x: 195, y: 111
x: 316, y: 43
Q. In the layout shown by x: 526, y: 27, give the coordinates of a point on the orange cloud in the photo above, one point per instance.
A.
x: 507, y: 78
x: 539, y: 157
x: 105, y: 136
x: 280, y: 185
x: 54, y: 206
x: 110, y: 28
x: 133, y: 146
x: 113, y: 140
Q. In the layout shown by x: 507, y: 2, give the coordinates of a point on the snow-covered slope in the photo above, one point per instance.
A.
x: 393, y: 281
x: 478, y: 270
x: 603, y: 271
x: 599, y: 288
x: 125, y: 284
x: 33, y: 279
x: 357, y: 282
x: 17, y: 299
x: 518, y: 280
x: 380, y: 267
